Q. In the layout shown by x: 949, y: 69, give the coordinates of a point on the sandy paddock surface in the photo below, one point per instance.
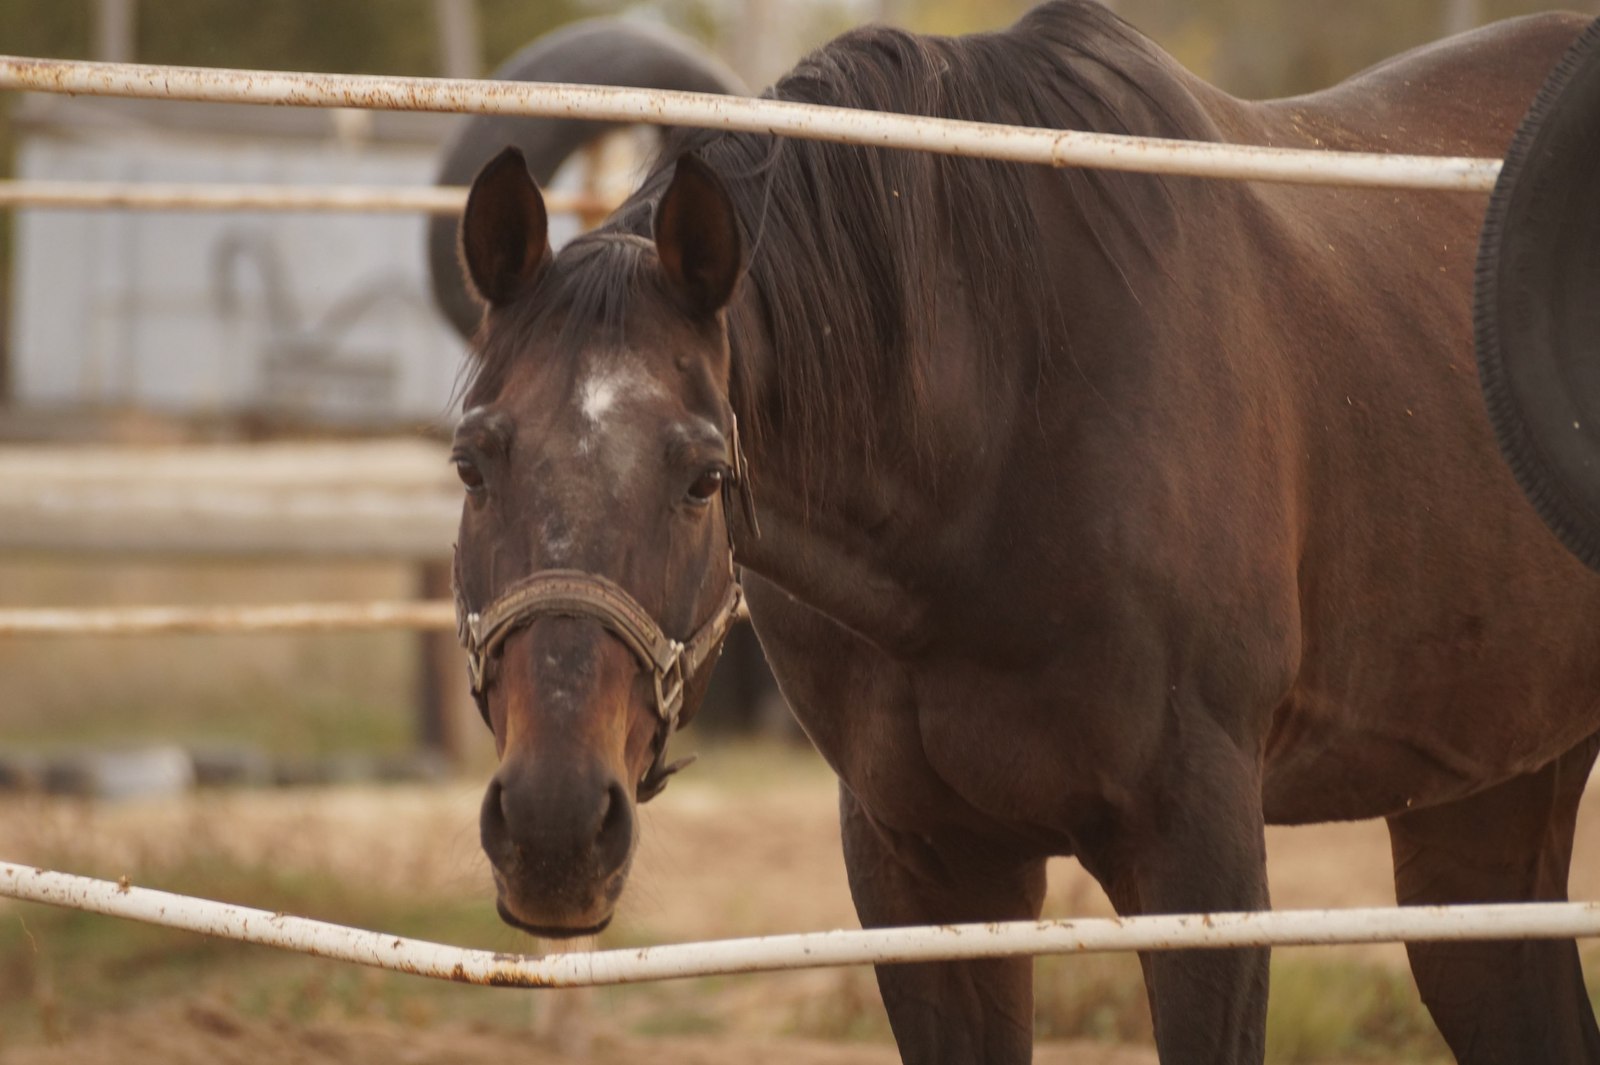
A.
x: 200, y: 1034
x: 718, y: 859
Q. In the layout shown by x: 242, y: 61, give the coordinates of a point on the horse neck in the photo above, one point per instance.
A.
x: 851, y: 530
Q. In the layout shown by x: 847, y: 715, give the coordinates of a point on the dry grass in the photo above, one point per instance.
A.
x: 746, y: 844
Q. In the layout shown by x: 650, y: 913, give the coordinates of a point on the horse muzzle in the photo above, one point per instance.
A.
x: 560, y: 844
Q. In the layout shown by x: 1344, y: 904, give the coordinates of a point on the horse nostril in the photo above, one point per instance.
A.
x: 501, y: 801
x: 615, y: 839
x: 524, y: 825
x: 492, y: 819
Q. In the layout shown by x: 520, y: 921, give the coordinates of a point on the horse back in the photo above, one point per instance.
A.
x: 1460, y: 96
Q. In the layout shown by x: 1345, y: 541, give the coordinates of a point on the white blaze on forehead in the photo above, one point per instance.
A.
x: 607, y: 385
x: 599, y: 394
x: 605, y: 391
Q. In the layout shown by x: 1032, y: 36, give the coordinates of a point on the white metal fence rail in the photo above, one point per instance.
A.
x: 276, y: 617
x: 162, y: 196
x: 803, y: 951
x: 1048, y: 147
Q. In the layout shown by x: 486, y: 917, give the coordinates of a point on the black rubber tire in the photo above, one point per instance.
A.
x: 1538, y: 302
x: 601, y: 51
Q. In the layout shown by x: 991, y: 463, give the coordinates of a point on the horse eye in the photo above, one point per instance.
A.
x: 706, y: 486
x: 470, y: 475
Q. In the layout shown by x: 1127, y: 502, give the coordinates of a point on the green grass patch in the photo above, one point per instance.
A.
x: 743, y: 765
x: 849, y: 1010
x: 1321, y: 1009
x: 1090, y: 996
x: 301, y: 693
x: 679, y: 1021
x: 1324, y: 1009
x: 275, y: 717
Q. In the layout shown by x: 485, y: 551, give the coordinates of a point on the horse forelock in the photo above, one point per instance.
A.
x: 582, y: 300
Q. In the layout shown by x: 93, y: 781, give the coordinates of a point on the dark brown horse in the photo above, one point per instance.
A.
x: 1099, y: 515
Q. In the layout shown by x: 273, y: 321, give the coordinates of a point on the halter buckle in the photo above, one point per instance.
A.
x: 477, y: 654
x: 669, y: 686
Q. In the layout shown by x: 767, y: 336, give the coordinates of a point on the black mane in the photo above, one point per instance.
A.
x: 846, y: 245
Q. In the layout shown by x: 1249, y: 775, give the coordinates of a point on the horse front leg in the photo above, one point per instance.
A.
x: 976, y: 1011
x: 1196, y: 844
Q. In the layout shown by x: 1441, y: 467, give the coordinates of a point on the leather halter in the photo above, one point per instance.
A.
x: 574, y: 593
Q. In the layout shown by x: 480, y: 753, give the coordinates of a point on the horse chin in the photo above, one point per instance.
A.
x: 545, y: 931
x: 551, y: 918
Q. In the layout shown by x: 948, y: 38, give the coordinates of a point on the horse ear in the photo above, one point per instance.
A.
x: 697, y: 237
x: 505, y: 232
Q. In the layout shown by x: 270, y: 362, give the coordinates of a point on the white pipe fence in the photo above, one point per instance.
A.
x: 1049, y: 147
x: 811, y: 950
x: 153, y: 196
x: 277, y: 617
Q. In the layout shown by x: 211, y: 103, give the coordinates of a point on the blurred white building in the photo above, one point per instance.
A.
x: 299, y: 317
x: 314, y: 317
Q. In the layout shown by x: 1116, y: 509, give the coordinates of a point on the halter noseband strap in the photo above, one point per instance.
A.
x: 573, y: 593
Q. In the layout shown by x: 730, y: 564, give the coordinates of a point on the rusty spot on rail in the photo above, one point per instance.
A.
x: 501, y: 978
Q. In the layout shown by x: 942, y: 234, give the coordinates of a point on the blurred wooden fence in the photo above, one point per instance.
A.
x: 390, y: 501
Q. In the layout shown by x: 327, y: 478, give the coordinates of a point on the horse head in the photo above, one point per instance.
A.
x: 594, y: 570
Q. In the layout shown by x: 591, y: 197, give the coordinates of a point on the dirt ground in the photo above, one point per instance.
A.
x: 198, y: 1034
x: 729, y: 854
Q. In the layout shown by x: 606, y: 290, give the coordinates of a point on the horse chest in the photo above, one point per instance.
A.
x: 929, y: 748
